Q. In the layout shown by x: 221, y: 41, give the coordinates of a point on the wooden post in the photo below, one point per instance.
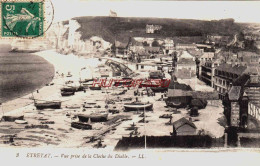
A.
x: 238, y: 141
x: 226, y: 139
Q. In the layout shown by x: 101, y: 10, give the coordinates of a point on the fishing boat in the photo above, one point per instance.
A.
x: 174, y: 103
x: 159, y: 89
x: 64, y: 93
x: 87, y: 80
x: 138, y: 106
x: 80, y: 125
x: 93, y: 117
x: 68, y: 89
x: 95, y: 87
x: 12, y: 118
x: 48, y: 104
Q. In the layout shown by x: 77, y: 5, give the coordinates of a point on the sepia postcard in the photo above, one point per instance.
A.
x: 128, y: 81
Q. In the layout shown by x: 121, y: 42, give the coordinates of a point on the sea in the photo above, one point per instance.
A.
x: 22, y: 73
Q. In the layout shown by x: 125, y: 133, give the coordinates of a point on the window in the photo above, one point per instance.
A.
x: 142, y: 66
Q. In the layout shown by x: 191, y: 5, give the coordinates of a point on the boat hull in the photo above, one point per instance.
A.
x: 12, y: 118
x: 159, y: 89
x: 131, y: 107
x: 79, y: 125
x: 54, y: 105
x: 93, y: 118
x: 95, y: 88
x: 67, y: 93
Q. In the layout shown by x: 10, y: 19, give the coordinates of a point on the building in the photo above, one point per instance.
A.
x: 206, y: 56
x: 207, y: 71
x: 183, y: 127
x: 152, y: 66
x: 120, y: 49
x: 243, y: 102
x: 180, y: 46
x: 153, y: 50
x: 153, y: 28
x: 248, y: 58
x: 225, y: 74
x: 185, y: 66
x: 257, y: 44
x: 168, y: 46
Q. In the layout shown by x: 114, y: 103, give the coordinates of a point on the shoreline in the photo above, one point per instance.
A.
x: 37, y: 87
x: 62, y: 64
x: 17, y: 103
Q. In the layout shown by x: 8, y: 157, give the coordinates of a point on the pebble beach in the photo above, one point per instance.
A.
x: 59, y: 132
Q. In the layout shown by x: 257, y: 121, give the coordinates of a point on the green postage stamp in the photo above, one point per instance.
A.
x: 22, y: 18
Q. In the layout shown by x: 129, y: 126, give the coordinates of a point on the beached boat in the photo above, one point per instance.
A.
x: 175, y: 103
x: 86, y: 80
x: 68, y: 89
x: 20, y: 121
x: 12, y: 118
x: 135, y: 106
x: 95, y: 87
x: 80, y: 125
x: 48, y: 104
x: 93, y: 117
x: 159, y: 89
x: 64, y: 93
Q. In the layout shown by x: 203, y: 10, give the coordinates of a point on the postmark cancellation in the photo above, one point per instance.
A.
x: 22, y: 18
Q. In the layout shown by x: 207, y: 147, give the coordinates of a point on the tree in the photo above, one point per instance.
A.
x: 155, y: 43
x: 145, y: 43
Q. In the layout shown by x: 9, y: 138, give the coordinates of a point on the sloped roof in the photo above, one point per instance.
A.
x: 234, y: 93
x: 135, y: 42
x: 186, y: 55
x: 196, y: 53
x: 236, y: 69
x: 186, y: 61
x: 176, y: 85
x: 119, y: 44
x: 241, y: 81
x: 179, y: 123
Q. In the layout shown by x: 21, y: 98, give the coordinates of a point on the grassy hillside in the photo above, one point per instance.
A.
x: 121, y: 28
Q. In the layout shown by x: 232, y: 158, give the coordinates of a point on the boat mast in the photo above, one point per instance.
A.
x: 2, y: 109
x: 144, y: 131
x: 33, y: 99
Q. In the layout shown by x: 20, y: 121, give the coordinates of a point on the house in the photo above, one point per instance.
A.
x: 207, y: 71
x: 153, y: 28
x: 218, y: 39
x: 176, y: 96
x: 197, y: 53
x: 153, y: 50
x: 206, y: 56
x: 168, y: 46
x: 134, y: 45
x: 183, y: 127
x: 243, y: 101
x: 225, y: 74
x: 120, y: 48
x: 180, y: 46
x: 152, y: 66
x: 186, y: 66
x: 248, y: 58
x: 257, y: 44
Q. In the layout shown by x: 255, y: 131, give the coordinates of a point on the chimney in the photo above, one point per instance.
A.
x: 254, y: 78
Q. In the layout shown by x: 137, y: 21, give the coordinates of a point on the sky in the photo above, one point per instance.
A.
x: 241, y: 11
